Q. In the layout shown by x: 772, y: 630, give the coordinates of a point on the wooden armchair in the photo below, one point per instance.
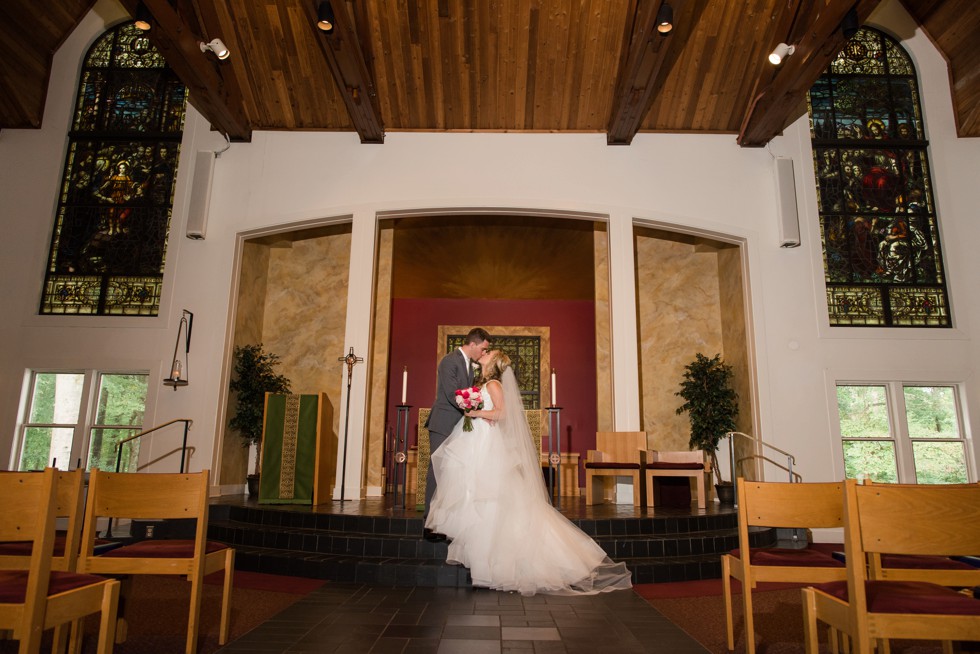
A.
x: 772, y: 504
x: 164, y: 496
x: 893, y: 519
x: 690, y: 464
x: 618, y: 454
x: 35, y: 598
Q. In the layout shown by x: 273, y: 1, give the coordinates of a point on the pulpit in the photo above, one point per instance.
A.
x: 299, y: 449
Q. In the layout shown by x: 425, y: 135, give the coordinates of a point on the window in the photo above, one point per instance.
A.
x: 902, y: 433
x: 883, y: 263
x: 80, y: 416
x: 109, y: 240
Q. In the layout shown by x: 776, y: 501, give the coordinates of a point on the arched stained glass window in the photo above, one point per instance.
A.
x: 110, y: 235
x: 882, y: 257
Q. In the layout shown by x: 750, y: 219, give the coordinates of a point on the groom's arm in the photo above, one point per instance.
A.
x: 449, y: 372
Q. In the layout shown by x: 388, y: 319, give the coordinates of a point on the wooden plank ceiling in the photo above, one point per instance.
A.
x: 490, y: 65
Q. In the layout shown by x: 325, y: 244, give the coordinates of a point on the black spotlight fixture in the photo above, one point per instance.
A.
x: 142, y: 19
x: 324, y: 17
x: 849, y: 26
x: 665, y: 19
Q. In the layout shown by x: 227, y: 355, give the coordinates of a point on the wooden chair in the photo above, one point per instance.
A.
x: 618, y: 454
x: 779, y: 504
x: 690, y: 464
x: 159, y: 496
x: 893, y: 519
x: 35, y: 597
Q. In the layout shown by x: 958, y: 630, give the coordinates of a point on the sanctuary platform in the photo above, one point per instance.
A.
x: 372, y: 542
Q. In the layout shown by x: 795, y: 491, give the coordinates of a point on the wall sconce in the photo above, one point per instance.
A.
x: 665, y: 19
x: 781, y: 52
x: 179, y: 367
x: 142, y: 18
x: 217, y: 47
x: 324, y: 17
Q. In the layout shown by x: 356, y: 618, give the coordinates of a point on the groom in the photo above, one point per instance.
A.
x: 455, y: 372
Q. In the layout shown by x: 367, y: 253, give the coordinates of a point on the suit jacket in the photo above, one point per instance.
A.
x: 452, y: 375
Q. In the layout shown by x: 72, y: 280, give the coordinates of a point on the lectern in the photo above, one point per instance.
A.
x: 299, y: 450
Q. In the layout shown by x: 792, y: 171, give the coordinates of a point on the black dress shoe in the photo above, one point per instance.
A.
x: 432, y: 536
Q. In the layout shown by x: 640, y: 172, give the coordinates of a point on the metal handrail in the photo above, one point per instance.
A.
x: 790, y: 459
x: 183, y: 448
x: 795, y: 476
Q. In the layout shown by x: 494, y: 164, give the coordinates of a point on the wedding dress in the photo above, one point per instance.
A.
x: 492, y: 502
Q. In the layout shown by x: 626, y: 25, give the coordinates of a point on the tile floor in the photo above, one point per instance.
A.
x: 353, y: 618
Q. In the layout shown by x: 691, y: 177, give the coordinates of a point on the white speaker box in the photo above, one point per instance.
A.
x: 197, y: 212
x: 788, y: 218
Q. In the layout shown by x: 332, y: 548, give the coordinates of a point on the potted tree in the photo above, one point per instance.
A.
x: 712, y: 406
x: 255, y: 375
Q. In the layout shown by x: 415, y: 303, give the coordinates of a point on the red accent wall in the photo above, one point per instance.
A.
x: 414, y: 330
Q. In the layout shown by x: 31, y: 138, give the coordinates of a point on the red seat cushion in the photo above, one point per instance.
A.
x: 24, y: 547
x: 666, y: 465
x: 921, y: 562
x: 162, y: 549
x: 13, y: 584
x: 612, y: 465
x: 908, y: 597
x: 805, y: 558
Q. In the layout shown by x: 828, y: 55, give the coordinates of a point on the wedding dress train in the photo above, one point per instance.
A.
x: 491, y: 501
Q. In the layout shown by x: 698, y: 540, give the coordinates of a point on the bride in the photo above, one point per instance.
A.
x: 491, y: 501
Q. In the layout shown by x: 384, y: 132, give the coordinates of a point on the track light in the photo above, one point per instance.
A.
x: 142, y: 18
x: 850, y: 25
x: 781, y: 52
x: 665, y: 19
x: 217, y: 47
x: 324, y: 17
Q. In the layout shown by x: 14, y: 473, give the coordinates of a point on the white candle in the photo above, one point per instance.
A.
x: 554, y: 392
x: 176, y: 370
x: 405, y: 385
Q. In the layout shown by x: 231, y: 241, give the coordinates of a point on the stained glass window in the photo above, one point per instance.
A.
x: 109, y: 242
x: 883, y: 261
x: 525, y: 358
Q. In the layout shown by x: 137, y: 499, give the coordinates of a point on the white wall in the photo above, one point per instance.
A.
x: 694, y: 182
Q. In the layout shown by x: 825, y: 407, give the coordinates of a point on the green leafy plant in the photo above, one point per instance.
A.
x: 255, y: 375
x: 710, y: 402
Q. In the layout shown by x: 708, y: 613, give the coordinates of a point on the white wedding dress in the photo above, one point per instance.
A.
x: 492, y: 502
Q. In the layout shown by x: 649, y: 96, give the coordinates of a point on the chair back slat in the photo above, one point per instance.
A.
x: 782, y: 504
x: 19, y: 492
x: 919, y: 519
x: 621, y: 446
x: 148, y: 495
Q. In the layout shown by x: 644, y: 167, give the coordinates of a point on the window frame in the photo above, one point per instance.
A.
x: 85, y: 425
x: 898, y: 423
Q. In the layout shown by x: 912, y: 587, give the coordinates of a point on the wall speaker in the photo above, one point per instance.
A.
x: 787, y: 216
x: 197, y: 212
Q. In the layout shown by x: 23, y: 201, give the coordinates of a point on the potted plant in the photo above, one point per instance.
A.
x: 255, y: 375
x: 712, y: 406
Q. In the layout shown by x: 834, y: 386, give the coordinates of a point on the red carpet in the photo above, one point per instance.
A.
x: 698, y: 608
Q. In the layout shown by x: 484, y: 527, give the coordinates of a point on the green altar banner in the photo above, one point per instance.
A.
x: 291, y: 444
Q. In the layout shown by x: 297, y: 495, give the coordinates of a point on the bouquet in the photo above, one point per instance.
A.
x: 469, y: 399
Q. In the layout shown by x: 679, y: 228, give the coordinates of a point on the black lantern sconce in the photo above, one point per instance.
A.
x: 179, y: 366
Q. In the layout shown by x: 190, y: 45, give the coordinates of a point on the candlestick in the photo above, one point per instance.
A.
x: 405, y: 385
x: 554, y: 392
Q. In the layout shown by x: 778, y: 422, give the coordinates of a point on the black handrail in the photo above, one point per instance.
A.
x: 183, y: 448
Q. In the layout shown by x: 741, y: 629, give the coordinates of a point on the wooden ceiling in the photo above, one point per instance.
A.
x: 490, y: 65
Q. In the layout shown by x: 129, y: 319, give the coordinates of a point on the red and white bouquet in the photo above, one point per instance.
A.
x: 469, y: 399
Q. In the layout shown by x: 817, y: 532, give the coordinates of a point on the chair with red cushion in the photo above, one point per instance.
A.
x: 617, y: 454
x: 899, y: 520
x: 35, y: 597
x: 690, y: 466
x: 779, y: 504
x: 123, y: 496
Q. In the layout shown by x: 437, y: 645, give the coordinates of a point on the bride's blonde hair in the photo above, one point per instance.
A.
x: 495, y: 369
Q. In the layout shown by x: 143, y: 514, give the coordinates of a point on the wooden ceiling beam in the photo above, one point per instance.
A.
x: 779, y: 91
x: 213, y: 88
x: 640, y: 74
x: 345, y: 57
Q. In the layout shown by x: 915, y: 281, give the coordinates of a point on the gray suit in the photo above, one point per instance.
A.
x: 452, y: 375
